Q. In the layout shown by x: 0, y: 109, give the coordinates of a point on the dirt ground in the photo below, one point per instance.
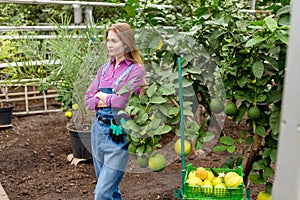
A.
x: 34, y: 165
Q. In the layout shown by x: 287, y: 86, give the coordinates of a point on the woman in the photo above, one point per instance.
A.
x: 109, y: 145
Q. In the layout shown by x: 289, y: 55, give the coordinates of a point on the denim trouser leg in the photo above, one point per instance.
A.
x: 110, y: 161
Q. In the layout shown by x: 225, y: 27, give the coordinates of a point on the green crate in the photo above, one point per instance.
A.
x: 202, y: 193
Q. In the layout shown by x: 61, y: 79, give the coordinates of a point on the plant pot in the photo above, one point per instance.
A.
x: 80, y: 142
x: 6, y: 112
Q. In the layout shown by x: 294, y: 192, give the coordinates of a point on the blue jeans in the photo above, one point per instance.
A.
x: 110, y: 161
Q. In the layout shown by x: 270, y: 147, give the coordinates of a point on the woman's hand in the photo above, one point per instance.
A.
x: 102, y: 99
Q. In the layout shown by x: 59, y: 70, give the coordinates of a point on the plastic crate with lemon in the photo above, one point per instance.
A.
x: 213, y: 183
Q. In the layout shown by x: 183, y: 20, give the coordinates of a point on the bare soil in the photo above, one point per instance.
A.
x: 34, y: 165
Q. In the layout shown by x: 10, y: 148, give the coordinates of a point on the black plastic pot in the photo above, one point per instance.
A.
x: 6, y: 113
x: 80, y: 143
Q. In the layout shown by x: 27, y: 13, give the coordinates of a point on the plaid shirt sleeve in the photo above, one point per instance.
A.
x: 90, y: 100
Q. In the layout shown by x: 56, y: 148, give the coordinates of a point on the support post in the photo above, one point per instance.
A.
x: 183, y: 171
x: 89, y: 15
x: 77, y: 14
x: 287, y: 176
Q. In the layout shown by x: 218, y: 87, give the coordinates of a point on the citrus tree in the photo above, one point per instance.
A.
x: 249, y: 53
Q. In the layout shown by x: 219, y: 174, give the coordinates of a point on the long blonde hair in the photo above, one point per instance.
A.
x: 126, y: 34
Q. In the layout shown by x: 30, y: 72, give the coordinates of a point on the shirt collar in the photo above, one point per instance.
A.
x: 126, y: 61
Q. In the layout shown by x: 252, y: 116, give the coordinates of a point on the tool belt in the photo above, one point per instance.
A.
x: 103, y: 120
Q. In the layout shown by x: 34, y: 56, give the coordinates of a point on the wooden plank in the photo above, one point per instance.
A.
x: 5, y: 126
x: 3, y: 195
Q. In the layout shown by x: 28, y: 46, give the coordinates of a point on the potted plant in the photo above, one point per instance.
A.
x: 6, y: 113
x: 74, y: 61
x: 79, y: 59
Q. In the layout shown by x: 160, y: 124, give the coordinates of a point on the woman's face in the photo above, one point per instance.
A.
x: 114, y: 45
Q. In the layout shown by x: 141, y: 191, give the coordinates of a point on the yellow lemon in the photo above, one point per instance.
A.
x: 264, y: 196
x: 75, y: 106
x: 201, y: 172
x: 194, y: 181
x: 217, y: 180
x: 192, y: 174
x: 210, y: 175
x: 68, y: 114
x: 234, y: 181
x: 229, y: 174
x: 187, y: 147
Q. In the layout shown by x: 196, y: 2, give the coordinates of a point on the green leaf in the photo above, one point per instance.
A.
x: 144, y: 131
x: 239, y: 161
x: 130, y: 10
x: 140, y: 150
x: 240, y: 113
x: 258, y: 69
x: 266, y: 153
x: 188, y: 92
x: 151, y: 90
x: 220, y: 148
x: 261, y: 98
x: 198, y: 144
x: 164, y: 90
x: 173, y: 110
x: 284, y: 10
x: 282, y: 36
x: 186, y: 82
x: 256, y: 178
x: 155, y: 123
x: 249, y: 141
x: 142, y: 118
x: 268, y: 171
x: 274, y: 121
x: 258, y: 166
x: 271, y: 23
x: 255, y: 41
x: 158, y: 100
x: 131, y: 125
x: 188, y: 113
x: 208, y: 137
x: 273, y: 62
x: 273, y: 155
x: 227, y: 140
x: 243, y: 81
x: 231, y: 149
x: 260, y: 130
x: 162, y: 130
x: 274, y: 96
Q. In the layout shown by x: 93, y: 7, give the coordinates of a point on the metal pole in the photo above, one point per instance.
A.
x: 253, y: 2
x: 83, y: 3
x: 181, y: 123
x: 287, y: 176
